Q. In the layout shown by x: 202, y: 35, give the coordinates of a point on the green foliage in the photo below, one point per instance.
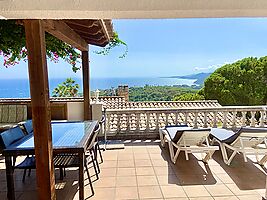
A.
x: 189, y: 97
x: 115, y: 42
x: 13, y: 46
x: 157, y: 93
x: 241, y: 83
x: 67, y: 89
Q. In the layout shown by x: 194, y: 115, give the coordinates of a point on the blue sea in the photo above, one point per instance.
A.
x: 19, y: 88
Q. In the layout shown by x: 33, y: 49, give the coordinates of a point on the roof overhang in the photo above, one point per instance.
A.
x: 112, y: 9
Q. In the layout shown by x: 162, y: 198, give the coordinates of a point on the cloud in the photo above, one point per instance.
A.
x: 211, y: 67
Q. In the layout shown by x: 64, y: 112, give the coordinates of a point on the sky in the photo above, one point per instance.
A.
x: 168, y: 47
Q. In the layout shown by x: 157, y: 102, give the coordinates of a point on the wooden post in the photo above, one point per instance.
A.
x: 86, y: 85
x: 41, y: 113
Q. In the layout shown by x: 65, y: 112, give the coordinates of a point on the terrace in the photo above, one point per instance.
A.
x: 143, y: 169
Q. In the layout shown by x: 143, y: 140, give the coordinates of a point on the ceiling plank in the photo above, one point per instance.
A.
x: 62, y: 31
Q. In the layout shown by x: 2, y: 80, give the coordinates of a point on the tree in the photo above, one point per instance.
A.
x: 189, y: 97
x: 67, y: 89
x: 239, y: 83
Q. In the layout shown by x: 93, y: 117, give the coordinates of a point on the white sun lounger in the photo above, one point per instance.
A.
x: 248, y: 141
x: 188, y: 140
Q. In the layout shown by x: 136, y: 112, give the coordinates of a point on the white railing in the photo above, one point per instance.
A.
x: 149, y: 120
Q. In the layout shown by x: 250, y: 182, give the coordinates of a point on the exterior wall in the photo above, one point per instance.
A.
x: 112, y: 9
x: 75, y: 111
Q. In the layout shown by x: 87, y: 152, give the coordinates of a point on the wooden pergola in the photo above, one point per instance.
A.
x: 79, y: 34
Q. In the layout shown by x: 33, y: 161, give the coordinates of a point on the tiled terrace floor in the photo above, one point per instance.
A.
x: 143, y: 171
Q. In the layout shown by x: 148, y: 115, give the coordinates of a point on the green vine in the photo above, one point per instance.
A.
x: 115, y: 42
x: 13, y: 46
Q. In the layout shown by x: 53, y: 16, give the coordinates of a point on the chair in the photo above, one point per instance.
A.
x: 97, y: 147
x: 248, y: 141
x: 27, y: 126
x: 188, y: 140
x: 8, y: 138
x: 91, y: 151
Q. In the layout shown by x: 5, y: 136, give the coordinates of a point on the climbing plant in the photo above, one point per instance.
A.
x: 13, y: 46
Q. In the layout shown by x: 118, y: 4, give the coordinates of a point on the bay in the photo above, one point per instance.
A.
x: 19, y: 88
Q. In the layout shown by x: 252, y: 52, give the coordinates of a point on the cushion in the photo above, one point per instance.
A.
x: 10, y: 136
x: 175, y: 132
x: 28, y: 126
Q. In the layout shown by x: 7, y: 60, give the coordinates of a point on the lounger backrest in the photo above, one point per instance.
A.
x: 250, y: 137
x: 193, y: 137
x: 10, y: 136
x: 173, y: 133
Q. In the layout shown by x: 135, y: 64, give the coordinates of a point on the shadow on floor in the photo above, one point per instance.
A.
x: 246, y: 175
x: 189, y: 172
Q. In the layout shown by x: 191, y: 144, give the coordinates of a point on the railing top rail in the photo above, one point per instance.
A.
x: 192, y: 109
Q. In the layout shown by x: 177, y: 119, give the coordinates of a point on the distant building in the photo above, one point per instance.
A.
x: 123, y: 90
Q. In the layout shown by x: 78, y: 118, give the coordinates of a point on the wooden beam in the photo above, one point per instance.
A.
x: 41, y: 114
x: 62, y: 31
x: 86, y: 84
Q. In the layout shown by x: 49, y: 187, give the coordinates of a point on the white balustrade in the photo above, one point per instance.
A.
x: 149, y: 120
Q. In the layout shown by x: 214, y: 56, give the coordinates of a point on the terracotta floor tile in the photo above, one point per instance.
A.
x: 218, y: 190
x: 107, y: 172
x: 104, y: 194
x: 125, y: 156
x: 126, y: 193
x: 126, y: 172
x: 163, y: 170
x: 227, y: 198
x: 249, y: 197
x: 125, y: 163
x: 201, y: 198
x: 160, y: 163
x: 105, y: 182
x: 143, y: 163
x: 156, y: 156
x: 196, y: 191
x: 123, y: 181
x: 170, y: 191
x: 141, y: 171
x: 109, y: 164
x: 147, y: 180
x: 141, y: 156
x: 148, y: 192
x: 233, y: 187
x: 168, y: 180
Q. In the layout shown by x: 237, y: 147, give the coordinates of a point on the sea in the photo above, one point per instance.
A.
x: 19, y: 88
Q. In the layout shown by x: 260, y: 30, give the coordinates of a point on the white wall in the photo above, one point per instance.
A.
x: 60, y: 9
x: 75, y: 111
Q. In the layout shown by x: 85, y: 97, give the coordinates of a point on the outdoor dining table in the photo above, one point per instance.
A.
x: 67, y: 137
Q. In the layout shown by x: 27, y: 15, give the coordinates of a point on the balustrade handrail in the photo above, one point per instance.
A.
x: 192, y: 109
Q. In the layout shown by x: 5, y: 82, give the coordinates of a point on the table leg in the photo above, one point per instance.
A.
x: 81, y: 176
x: 9, y: 178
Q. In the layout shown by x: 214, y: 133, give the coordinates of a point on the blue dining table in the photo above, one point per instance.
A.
x: 67, y: 137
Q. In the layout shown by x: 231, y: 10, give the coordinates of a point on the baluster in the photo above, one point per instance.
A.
x: 157, y: 121
x: 108, y: 123
x: 167, y: 119
x: 215, y: 119
x: 205, y: 120
x: 137, y: 122
x: 176, y: 118
x: 253, y: 119
x: 195, y: 120
x: 147, y: 122
x: 186, y: 118
x: 262, y: 118
x: 234, y: 120
x: 128, y: 122
x: 244, y: 119
x: 224, y: 125
x: 119, y: 123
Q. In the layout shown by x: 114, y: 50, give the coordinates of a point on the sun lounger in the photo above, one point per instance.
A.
x: 187, y: 139
x: 248, y: 141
